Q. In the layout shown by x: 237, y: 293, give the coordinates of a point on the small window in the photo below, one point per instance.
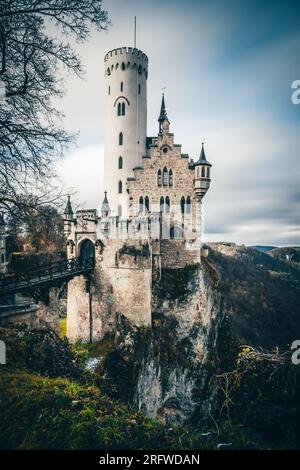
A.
x: 208, y: 172
x: 141, y: 204
x: 170, y: 178
x: 165, y: 177
x: 121, y: 139
x: 139, y: 88
x: 203, y: 172
x: 120, y: 187
x: 182, y: 204
x: 120, y: 163
x: 198, y: 170
x: 140, y: 69
x: 122, y: 86
x: 167, y: 204
x: 123, y: 109
x: 161, y: 204
x: 119, y: 109
x: 147, y: 203
x: 123, y: 66
x: 109, y: 90
x: 159, y: 180
x: 188, y: 205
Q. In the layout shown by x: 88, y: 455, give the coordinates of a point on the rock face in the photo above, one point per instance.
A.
x: 166, y: 370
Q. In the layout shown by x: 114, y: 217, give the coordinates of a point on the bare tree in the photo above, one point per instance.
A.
x: 31, y: 61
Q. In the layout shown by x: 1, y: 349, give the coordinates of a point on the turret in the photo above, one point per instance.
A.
x: 68, y: 217
x: 105, y: 209
x: 126, y: 72
x: 202, y: 174
x: 163, y: 120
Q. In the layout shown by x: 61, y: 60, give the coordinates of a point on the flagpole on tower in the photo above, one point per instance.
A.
x: 135, y: 32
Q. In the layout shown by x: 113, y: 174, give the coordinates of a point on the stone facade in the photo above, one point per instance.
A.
x: 161, y: 226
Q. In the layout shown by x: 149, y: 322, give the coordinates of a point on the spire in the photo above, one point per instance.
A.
x: 202, y: 158
x: 105, y: 209
x: 163, y: 113
x: 68, y: 210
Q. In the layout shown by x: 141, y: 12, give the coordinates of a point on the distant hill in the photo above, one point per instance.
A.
x: 261, y: 291
x: 263, y: 247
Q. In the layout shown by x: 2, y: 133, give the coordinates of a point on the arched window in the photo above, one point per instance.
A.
x: 120, y: 187
x: 119, y: 109
x: 165, y: 177
x: 123, y: 109
x: 119, y: 210
x: 159, y: 180
x: 198, y: 170
x: 162, y: 204
x: 141, y: 204
x: 139, y: 87
x: 140, y: 69
x: 167, y: 204
x: 207, y: 172
x: 123, y: 66
x: 182, y: 204
x: 170, y: 178
x: 203, y: 172
x: 188, y: 205
x: 147, y: 203
x: 121, y: 87
x: 121, y: 138
x: 120, y: 163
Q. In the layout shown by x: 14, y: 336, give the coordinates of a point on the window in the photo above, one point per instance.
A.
x: 147, y: 203
x: 165, y: 177
x: 109, y: 90
x: 121, y: 138
x: 139, y: 88
x: 121, y: 87
x: 188, y: 205
x: 120, y: 163
x: 170, y: 178
x: 123, y: 66
x: 121, y: 109
x: 140, y: 69
x: 161, y: 204
x: 182, y: 204
x: 167, y: 205
x: 203, y: 172
x: 159, y: 180
x: 141, y: 204
x: 120, y: 187
x: 207, y: 172
x: 198, y: 170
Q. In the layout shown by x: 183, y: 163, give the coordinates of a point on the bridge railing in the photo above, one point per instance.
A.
x: 46, y: 272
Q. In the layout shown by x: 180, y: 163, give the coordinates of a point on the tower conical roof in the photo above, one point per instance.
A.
x: 68, y: 209
x: 202, y: 158
x: 105, y: 204
x: 163, y: 113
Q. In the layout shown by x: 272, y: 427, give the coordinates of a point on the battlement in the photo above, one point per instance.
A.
x: 126, y: 51
x: 126, y: 58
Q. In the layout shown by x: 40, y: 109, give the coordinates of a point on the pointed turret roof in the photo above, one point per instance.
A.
x: 105, y: 204
x: 202, y: 158
x: 68, y: 209
x: 163, y: 112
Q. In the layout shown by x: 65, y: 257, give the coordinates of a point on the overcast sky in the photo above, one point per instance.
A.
x: 227, y: 67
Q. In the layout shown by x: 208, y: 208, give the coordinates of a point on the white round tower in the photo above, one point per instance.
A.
x: 126, y: 72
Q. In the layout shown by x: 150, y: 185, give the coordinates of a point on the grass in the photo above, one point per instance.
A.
x: 63, y: 327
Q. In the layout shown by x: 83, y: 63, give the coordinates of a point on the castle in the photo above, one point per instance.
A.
x: 150, y: 218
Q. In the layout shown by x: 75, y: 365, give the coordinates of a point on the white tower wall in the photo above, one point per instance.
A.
x: 133, y: 124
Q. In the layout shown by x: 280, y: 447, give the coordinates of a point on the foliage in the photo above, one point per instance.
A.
x: 177, y: 284
x: 34, y: 50
x: 135, y: 251
x: 263, y: 392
